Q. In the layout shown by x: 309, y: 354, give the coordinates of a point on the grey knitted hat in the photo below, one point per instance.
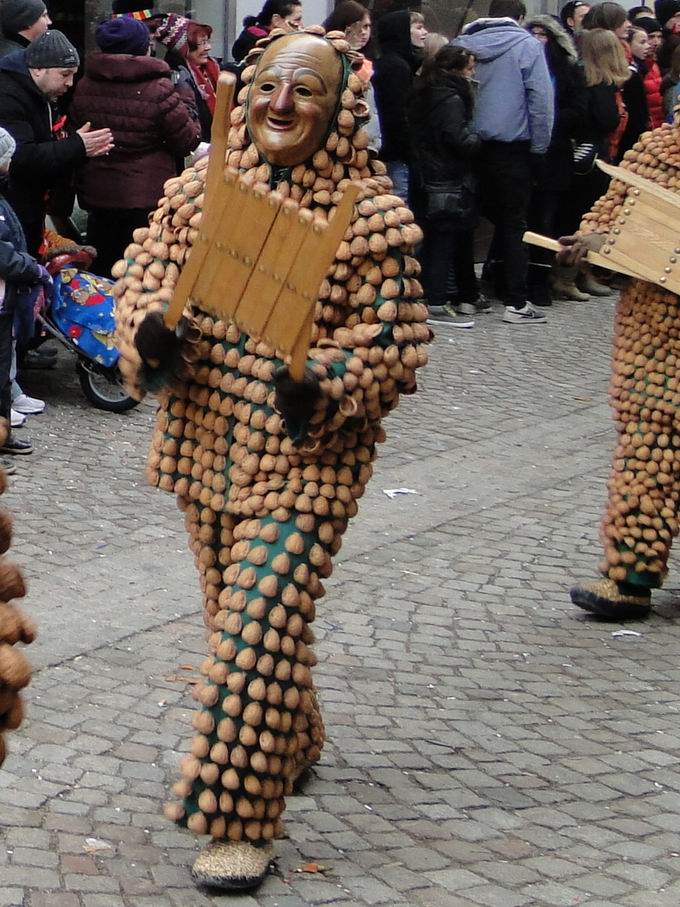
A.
x: 53, y: 50
x: 16, y: 15
x: 7, y: 148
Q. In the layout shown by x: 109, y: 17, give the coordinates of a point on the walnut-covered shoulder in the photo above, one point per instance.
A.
x: 656, y: 157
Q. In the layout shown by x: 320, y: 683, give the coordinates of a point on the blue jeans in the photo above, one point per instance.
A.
x: 398, y: 173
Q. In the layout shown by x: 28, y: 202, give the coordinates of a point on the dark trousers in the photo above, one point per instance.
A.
x: 542, y: 218
x: 505, y: 184
x: 444, y: 249
x: 6, y: 322
x: 110, y: 230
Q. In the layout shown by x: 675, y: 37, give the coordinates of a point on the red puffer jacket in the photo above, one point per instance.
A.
x: 152, y: 128
x: 652, y: 82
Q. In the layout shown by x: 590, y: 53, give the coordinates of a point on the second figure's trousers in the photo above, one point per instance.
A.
x: 644, y: 488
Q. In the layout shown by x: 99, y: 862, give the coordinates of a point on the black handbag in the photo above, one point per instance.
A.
x: 454, y: 204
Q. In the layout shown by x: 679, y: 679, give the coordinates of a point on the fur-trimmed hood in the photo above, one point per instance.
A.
x: 556, y: 31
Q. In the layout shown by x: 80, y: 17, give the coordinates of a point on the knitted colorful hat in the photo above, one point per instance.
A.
x: 173, y: 32
x: 134, y: 9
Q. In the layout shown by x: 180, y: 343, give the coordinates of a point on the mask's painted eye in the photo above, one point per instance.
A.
x: 267, y: 87
x: 303, y: 92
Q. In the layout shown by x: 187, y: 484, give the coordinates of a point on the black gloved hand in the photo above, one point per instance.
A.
x: 158, y: 345
x: 296, y: 401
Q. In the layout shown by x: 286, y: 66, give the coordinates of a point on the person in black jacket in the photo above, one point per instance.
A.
x: 401, y: 36
x: 22, y: 276
x: 605, y: 70
x: 21, y: 22
x: 30, y: 81
x: 554, y: 180
x: 285, y: 14
x: 441, y: 112
x: 635, y: 95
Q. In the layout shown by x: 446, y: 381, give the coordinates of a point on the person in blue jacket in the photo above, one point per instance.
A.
x: 20, y: 277
x: 514, y: 118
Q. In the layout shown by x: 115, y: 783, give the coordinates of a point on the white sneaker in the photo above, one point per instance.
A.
x: 528, y: 314
x: 28, y: 405
x: 17, y: 419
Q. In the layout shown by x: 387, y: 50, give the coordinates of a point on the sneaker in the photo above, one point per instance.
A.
x: 481, y: 306
x: 37, y: 359
x: 7, y: 466
x: 526, y: 315
x: 14, y: 446
x: 446, y: 314
x: 29, y: 406
x: 17, y: 419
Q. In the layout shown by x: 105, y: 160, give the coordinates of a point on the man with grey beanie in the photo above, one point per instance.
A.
x: 30, y: 82
x: 21, y: 22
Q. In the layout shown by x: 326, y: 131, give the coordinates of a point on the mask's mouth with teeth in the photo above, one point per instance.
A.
x: 279, y: 123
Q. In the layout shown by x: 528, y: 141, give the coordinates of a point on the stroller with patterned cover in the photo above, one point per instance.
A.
x: 81, y: 317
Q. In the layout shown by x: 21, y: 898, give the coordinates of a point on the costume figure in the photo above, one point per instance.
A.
x: 269, y: 471
x: 15, y: 671
x: 644, y: 487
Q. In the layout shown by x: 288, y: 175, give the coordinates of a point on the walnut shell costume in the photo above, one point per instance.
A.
x: 265, y: 515
x: 642, y: 512
x: 15, y: 627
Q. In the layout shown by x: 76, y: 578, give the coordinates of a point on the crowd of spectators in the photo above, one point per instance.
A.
x: 503, y: 121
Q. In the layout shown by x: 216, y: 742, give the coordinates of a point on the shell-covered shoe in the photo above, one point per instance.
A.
x: 604, y: 598
x: 234, y: 866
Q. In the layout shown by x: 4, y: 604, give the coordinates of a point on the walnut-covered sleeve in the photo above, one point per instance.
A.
x: 366, y: 362
x: 148, y: 273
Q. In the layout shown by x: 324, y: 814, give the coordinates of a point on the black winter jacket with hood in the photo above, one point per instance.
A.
x: 40, y: 162
x: 393, y: 81
x: 444, y: 140
x: 571, y: 100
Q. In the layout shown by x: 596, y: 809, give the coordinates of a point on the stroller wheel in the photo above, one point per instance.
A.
x: 105, y: 391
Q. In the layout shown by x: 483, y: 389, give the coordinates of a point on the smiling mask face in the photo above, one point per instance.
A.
x: 292, y: 98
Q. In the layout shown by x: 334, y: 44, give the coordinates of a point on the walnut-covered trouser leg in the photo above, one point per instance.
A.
x: 259, y: 726
x: 644, y: 486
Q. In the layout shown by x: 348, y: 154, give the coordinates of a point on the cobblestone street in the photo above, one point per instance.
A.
x: 489, y: 745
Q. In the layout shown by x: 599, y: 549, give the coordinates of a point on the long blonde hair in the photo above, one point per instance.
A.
x: 604, y: 62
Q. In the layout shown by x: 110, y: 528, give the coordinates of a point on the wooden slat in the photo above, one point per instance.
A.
x: 230, y: 207
x: 268, y: 279
x: 311, y: 265
x: 594, y: 258
x: 639, y: 182
x: 226, y: 86
x: 651, y: 268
